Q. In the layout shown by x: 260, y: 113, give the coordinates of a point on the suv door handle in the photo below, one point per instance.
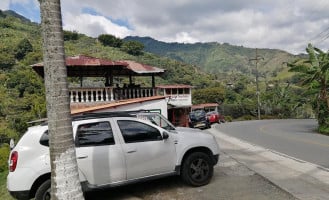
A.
x: 132, y: 151
x: 82, y: 157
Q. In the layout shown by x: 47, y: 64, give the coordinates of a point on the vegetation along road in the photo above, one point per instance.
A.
x: 293, y: 137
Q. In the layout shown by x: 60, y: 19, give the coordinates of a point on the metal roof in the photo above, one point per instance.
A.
x: 87, y: 66
x: 142, y: 68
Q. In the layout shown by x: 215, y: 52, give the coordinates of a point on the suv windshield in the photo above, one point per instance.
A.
x: 156, y: 119
x: 197, y: 114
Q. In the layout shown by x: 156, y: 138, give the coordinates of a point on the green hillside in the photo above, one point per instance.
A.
x: 220, y: 58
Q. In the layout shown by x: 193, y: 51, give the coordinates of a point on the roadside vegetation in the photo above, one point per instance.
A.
x: 4, y: 154
x: 4, y: 194
x: 313, y: 74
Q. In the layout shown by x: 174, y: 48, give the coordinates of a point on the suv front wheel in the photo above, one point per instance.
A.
x: 197, y: 169
x: 43, y: 192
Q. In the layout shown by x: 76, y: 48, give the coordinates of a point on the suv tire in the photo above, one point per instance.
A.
x: 43, y: 192
x: 197, y: 169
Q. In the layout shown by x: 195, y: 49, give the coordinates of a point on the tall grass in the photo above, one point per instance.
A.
x: 4, y: 194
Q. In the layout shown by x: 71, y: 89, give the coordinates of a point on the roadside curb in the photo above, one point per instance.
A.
x: 302, y: 179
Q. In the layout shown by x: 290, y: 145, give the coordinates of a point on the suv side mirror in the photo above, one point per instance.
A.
x: 165, y: 135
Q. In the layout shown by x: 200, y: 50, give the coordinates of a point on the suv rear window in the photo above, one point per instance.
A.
x: 94, y: 134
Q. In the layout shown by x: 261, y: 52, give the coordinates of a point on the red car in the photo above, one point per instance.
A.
x: 215, y: 117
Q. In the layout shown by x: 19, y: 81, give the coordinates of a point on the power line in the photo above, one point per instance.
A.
x: 322, y: 36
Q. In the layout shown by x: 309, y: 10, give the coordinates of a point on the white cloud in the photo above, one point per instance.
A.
x: 287, y: 25
x: 4, y: 4
x: 93, y: 25
x: 185, y: 38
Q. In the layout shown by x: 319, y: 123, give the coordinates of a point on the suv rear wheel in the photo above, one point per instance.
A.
x: 197, y: 169
x: 43, y: 192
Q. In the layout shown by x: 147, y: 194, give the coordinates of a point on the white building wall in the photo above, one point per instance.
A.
x: 153, y: 105
x: 178, y: 99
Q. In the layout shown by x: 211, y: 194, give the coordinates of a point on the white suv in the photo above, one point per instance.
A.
x: 113, y: 149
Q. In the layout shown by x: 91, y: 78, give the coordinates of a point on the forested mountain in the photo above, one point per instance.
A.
x: 15, y: 15
x: 219, y: 58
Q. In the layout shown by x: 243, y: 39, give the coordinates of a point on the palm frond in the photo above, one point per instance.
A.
x: 313, y: 57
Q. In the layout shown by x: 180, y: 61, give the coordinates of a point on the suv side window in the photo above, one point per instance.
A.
x: 133, y: 131
x: 94, y: 134
x: 157, y: 120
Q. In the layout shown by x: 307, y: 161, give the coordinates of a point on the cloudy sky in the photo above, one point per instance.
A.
x: 280, y: 24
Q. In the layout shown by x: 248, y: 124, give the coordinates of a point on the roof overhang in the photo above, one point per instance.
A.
x: 142, y: 69
x: 205, y: 105
x: 86, y: 66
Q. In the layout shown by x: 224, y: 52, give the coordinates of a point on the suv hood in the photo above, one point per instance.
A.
x: 189, y: 130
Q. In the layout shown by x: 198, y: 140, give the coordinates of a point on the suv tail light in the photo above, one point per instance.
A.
x: 13, y: 161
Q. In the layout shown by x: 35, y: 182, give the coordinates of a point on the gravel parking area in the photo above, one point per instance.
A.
x: 231, y: 181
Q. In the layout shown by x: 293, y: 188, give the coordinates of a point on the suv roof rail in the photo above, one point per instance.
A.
x: 85, y: 116
x: 107, y: 114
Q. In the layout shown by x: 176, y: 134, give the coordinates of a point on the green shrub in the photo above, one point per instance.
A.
x: 228, y: 118
x: 269, y: 117
x: 247, y: 117
x: 324, y: 129
x: 110, y: 40
x: 23, y: 48
x: 4, y: 154
x: 4, y: 194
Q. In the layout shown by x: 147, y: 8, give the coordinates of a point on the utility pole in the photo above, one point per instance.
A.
x: 256, y: 59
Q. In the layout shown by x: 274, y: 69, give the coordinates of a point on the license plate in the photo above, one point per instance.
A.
x: 199, y: 125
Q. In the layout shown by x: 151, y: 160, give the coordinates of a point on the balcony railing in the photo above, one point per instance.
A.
x: 106, y: 94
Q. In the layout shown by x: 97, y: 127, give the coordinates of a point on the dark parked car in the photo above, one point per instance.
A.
x: 215, y: 117
x: 198, y: 119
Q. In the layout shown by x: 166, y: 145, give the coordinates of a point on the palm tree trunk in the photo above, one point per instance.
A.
x: 65, y: 182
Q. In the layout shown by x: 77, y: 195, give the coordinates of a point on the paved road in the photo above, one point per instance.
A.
x: 302, y: 179
x: 294, y: 137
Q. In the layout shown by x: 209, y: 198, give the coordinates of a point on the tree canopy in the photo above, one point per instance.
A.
x: 110, y: 40
x: 133, y: 48
x: 314, y: 75
x: 23, y: 47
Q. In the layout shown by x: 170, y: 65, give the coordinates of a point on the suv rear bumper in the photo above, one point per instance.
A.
x: 22, y: 195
